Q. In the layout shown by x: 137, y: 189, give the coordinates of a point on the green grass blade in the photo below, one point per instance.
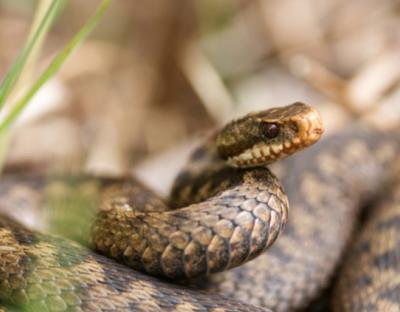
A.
x: 4, y: 143
x: 17, y: 67
x: 55, y: 65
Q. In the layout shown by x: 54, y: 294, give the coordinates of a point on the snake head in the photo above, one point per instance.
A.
x: 261, y: 138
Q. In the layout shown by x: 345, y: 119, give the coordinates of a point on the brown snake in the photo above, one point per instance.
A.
x: 240, y: 215
x: 369, y: 279
x: 326, y: 185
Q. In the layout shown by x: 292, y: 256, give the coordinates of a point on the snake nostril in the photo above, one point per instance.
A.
x: 294, y: 126
x: 318, y: 131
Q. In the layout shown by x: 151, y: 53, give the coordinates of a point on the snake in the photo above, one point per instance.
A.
x: 369, y: 277
x: 237, y: 210
x: 327, y: 185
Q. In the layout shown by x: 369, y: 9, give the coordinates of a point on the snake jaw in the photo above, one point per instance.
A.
x: 259, y: 154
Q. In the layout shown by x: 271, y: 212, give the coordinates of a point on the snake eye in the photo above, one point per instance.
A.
x: 270, y: 130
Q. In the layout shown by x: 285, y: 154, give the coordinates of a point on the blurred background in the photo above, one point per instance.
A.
x: 157, y: 75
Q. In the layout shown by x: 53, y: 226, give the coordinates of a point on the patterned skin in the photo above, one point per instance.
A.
x: 326, y: 185
x: 241, y: 217
x: 369, y: 279
x: 46, y: 273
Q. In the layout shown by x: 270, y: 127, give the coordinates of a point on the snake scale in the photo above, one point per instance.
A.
x: 325, y: 185
x: 369, y: 279
x: 245, y: 211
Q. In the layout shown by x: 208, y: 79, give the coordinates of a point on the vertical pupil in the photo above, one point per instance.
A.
x: 270, y: 130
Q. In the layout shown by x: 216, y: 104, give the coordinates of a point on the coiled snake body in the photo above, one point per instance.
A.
x: 245, y: 213
x: 325, y: 186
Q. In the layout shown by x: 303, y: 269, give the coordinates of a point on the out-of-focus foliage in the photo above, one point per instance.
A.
x: 47, y: 11
x: 158, y: 72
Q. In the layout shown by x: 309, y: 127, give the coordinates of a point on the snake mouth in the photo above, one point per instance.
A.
x: 265, y: 154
